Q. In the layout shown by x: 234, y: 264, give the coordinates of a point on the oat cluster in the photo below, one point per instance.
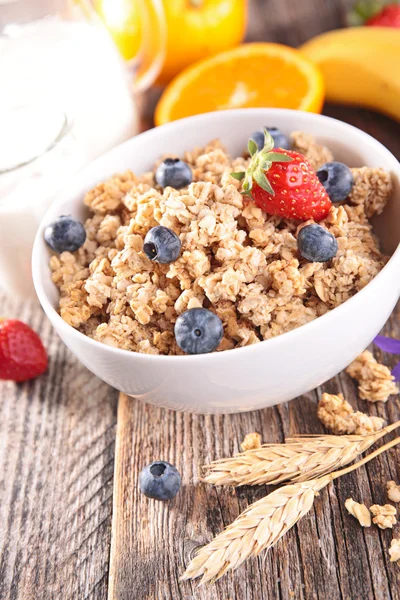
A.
x: 236, y: 260
x: 316, y: 154
x: 359, y: 511
x: 338, y: 416
x: 393, y: 491
x: 384, y: 516
x: 394, y: 550
x: 376, y: 383
x: 251, y: 441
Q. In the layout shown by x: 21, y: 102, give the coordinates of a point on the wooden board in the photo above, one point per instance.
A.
x: 328, y: 555
x: 57, y: 437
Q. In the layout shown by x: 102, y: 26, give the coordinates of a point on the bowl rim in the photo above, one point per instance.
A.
x: 80, y: 337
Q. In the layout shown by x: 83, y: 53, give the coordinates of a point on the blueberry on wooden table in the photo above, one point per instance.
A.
x: 198, y: 331
x: 160, y: 480
x: 337, y: 179
x: 316, y: 244
x: 162, y: 245
x: 174, y: 172
x: 65, y: 234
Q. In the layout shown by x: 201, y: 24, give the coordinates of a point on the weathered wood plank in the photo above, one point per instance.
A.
x: 328, y: 555
x: 56, y: 466
x: 293, y: 23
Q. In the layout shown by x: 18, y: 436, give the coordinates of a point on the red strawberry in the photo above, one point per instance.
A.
x: 283, y: 183
x: 389, y: 16
x: 22, y: 355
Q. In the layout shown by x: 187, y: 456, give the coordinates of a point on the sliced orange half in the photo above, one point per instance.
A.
x: 251, y: 75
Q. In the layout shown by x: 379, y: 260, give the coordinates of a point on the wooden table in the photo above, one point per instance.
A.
x: 60, y: 468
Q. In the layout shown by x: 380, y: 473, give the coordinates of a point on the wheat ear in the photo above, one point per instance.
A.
x: 298, y: 459
x: 263, y: 523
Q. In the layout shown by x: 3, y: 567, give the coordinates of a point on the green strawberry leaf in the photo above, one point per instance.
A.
x: 252, y: 147
x: 266, y: 165
x: 268, y: 141
x: 239, y: 176
x: 278, y: 157
x: 248, y: 183
x: 263, y: 182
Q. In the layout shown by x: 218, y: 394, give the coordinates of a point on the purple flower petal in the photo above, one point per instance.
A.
x: 387, y: 344
x: 396, y: 372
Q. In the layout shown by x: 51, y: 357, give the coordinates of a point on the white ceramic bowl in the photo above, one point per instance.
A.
x: 255, y: 376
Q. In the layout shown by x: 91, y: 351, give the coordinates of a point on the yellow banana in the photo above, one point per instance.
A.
x: 361, y: 66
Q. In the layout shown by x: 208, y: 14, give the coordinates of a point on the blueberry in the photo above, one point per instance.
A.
x: 160, y: 480
x: 198, y: 331
x: 65, y: 234
x: 337, y: 179
x: 316, y: 244
x: 280, y: 139
x: 175, y: 173
x: 162, y: 245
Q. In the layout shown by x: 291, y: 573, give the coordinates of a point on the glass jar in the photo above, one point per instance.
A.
x: 40, y: 155
x: 67, y: 97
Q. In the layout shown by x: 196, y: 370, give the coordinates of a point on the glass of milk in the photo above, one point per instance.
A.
x: 66, y: 97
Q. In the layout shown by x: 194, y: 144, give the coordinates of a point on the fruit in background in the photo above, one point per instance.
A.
x: 124, y: 24
x: 375, y: 13
x: 195, y: 29
x: 252, y: 75
x: 282, y: 182
x: 388, y: 17
x: 22, y: 354
x: 360, y: 66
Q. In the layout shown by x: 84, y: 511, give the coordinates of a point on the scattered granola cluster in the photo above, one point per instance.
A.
x: 236, y: 260
x: 384, y: 516
x: 359, y: 511
x: 393, y: 491
x: 376, y: 383
x: 337, y: 415
x: 394, y: 550
x: 251, y: 441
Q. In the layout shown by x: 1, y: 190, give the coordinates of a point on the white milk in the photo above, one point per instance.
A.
x: 51, y: 70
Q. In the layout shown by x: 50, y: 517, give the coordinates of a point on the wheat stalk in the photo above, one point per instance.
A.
x: 263, y: 523
x: 298, y: 459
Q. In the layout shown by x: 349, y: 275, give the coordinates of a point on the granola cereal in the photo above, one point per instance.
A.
x: 376, y: 383
x: 384, y: 516
x: 394, y: 550
x: 371, y: 189
x: 393, y: 491
x: 251, y: 441
x: 236, y: 260
x: 337, y: 415
x: 316, y: 154
x: 359, y: 511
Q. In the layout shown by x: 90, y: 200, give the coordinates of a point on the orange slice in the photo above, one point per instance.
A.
x: 251, y: 75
